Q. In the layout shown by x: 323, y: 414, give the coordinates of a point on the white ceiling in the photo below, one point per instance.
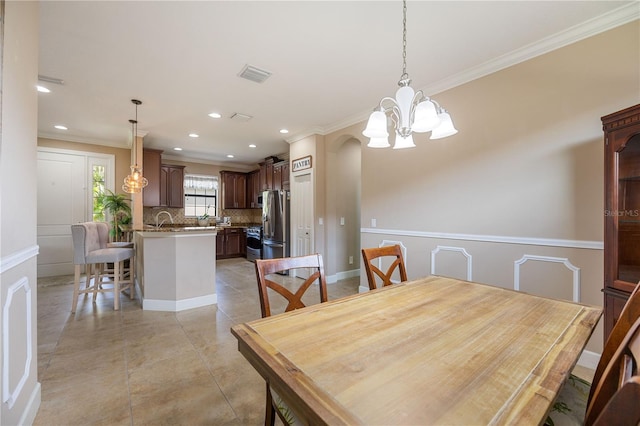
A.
x: 332, y: 62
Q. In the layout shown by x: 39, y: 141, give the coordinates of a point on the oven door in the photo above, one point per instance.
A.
x: 254, y: 245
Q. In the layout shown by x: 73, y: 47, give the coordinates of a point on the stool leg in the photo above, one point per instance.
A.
x: 132, y: 277
x: 76, y: 288
x: 116, y: 285
x: 97, y: 280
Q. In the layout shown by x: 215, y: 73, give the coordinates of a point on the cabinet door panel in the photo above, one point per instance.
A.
x: 233, y: 243
x: 176, y: 187
x: 151, y: 163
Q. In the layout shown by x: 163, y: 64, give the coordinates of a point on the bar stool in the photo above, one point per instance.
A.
x: 90, y: 249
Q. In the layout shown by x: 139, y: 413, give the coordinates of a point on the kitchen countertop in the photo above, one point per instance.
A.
x: 184, y: 227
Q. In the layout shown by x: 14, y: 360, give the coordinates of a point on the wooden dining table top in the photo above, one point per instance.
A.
x: 431, y: 351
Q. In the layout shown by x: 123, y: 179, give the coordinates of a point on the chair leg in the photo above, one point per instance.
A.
x: 76, y: 288
x: 116, y: 286
x: 270, y: 412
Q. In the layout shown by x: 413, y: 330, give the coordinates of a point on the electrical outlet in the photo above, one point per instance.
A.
x: 350, y: 260
x: 320, y: 221
x: 342, y: 221
x: 373, y: 223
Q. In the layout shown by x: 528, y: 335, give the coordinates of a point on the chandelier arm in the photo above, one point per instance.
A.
x: 388, y: 99
x: 417, y: 98
x: 439, y: 109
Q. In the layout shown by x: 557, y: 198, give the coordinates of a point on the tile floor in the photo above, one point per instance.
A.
x: 134, y: 367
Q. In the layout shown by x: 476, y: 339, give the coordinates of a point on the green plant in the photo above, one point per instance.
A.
x: 205, y: 215
x: 118, y: 207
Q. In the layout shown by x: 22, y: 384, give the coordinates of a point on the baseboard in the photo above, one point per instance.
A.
x: 589, y: 359
x: 29, y: 414
x: 179, y: 305
x: 342, y: 276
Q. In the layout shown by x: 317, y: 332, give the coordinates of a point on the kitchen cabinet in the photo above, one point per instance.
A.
x: 281, y: 175
x: 234, y: 190
x: 266, y: 173
x: 254, y: 189
x: 172, y: 186
x: 151, y: 164
x: 274, y: 174
x: 231, y: 242
x: 622, y: 210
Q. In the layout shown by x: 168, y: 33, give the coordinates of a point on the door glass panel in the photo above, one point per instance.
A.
x: 628, y: 213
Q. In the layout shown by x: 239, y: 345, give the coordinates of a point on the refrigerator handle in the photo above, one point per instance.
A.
x: 273, y: 244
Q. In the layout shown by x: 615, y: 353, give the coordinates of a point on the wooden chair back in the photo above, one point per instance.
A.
x: 265, y: 267
x: 630, y: 313
x: 620, y: 370
x: 371, y: 254
x: 624, y: 407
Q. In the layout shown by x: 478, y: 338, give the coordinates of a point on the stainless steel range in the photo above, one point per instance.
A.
x: 254, y: 242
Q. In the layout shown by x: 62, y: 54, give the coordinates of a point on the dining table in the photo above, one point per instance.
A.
x: 434, y: 350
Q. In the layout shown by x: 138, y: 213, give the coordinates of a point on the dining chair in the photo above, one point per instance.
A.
x: 572, y: 402
x: 624, y: 406
x: 617, y: 385
x: 371, y: 254
x: 292, y: 290
x: 90, y: 250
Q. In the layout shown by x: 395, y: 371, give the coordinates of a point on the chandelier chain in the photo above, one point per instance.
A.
x: 404, y: 41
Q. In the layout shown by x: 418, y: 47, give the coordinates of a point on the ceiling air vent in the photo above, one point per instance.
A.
x: 241, y: 117
x: 254, y: 74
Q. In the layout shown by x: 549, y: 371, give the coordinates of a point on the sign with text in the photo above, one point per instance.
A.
x: 301, y: 163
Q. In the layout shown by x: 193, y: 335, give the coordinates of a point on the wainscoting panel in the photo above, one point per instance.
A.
x: 547, y: 276
x: 17, y: 348
x: 454, y: 262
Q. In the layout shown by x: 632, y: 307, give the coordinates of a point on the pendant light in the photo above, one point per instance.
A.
x: 135, y: 181
x: 410, y: 111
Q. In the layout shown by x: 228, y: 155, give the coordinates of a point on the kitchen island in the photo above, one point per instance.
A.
x: 176, y: 267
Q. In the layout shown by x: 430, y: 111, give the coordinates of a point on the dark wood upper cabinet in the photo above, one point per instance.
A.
x: 234, y: 190
x: 172, y: 186
x: 166, y: 181
x: 151, y: 164
x: 622, y: 210
x: 254, y: 189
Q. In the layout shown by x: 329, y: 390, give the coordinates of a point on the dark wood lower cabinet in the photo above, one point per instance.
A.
x: 231, y: 242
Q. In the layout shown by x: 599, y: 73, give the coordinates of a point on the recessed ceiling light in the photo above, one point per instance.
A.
x: 252, y: 146
x: 229, y: 155
x: 284, y: 131
x: 60, y: 127
x: 177, y: 149
x: 215, y: 115
x: 194, y: 135
x: 42, y: 89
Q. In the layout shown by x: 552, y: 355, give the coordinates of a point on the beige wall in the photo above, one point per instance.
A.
x: 313, y: 146
x: 516, y: 197
x: 18, y: 211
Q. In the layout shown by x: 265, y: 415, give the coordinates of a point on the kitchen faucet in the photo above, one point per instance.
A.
x: 159, y: 213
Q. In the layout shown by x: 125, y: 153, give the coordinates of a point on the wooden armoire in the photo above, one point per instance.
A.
x: 621, y: 210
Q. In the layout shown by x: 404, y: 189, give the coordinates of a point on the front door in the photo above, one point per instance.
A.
x: 65, y: 196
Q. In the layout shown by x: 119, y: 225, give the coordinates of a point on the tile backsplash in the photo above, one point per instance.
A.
x: 238, y: 216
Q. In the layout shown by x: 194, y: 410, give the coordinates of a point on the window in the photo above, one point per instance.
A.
x: 98, y: 185
x: 200, y: 195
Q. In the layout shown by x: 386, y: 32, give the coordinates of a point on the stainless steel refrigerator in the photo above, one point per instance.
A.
x: 275, y: 224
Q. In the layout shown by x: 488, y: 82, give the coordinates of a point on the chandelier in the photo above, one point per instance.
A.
x: 410, y: 111
x: 134, y: 182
